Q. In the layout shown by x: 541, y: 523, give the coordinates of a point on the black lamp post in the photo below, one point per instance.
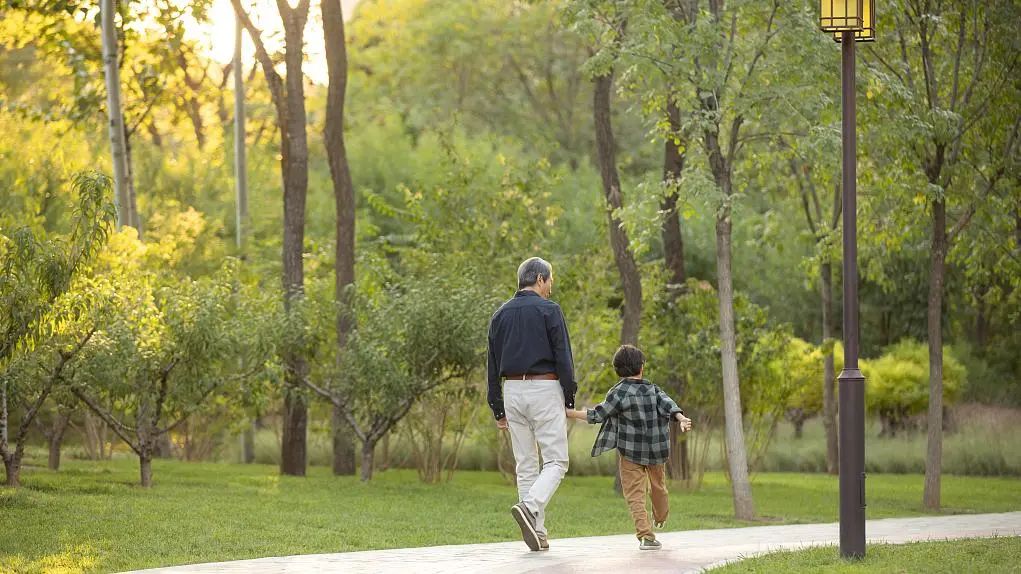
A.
x: 850, y: 21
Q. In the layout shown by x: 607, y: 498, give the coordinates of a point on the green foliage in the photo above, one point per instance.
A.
x: 35, y: 270
x: 685, y: 358
x: 898, y: 381
x: 800, y: 368
x: 166, y: 344
x: 505, y: 68
x: 419, y: 337
x: 469, y: 132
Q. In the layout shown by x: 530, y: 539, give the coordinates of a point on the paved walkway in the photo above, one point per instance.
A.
x: 690, y: 551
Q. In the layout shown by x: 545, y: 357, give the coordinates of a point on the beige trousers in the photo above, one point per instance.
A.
x: 636, y: 481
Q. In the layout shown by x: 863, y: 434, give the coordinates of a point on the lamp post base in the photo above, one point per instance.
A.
x: 852, y: 463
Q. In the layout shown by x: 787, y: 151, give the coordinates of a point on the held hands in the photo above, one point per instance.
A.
x: 580, y: 415
x: 685, y: 422
x: 502, y: 423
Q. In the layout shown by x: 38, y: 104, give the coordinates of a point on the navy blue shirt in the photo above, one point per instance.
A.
x: 528, y: 336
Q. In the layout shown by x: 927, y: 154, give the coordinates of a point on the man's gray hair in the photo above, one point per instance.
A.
x: 530, y: 271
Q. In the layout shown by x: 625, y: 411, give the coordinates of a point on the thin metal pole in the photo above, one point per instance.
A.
x: 851, y: 380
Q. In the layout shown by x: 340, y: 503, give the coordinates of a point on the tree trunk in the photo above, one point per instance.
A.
x: 344, y: 199
x: 981, y: 318
x: 673, y: 256
x: 136, y: 221
x: 673, y: 167
x: 737, y: 457
x: 240, y: 156
x: 343, y: 448
x: 799, y: 427
x: 4, y: 433
x: 289, y: 101
x: 294, y: 167
x: 111, y: 71
x: 368, y: 457
x: 829, y: 397
x: 248, y: 444
x: 163, y: 447
x: 677, y: 464
x: 241, y: 194
x: 12, y: 466
x: 56, y: 439
x: 145, y: 467
x: 937, y: 271
x: 622, y: 254
x: 293, y: 444
x: 12, y: 460
x: 94, y: 436
x: 1017, y: 230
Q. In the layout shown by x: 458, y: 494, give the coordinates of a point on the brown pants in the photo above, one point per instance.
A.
x: 638, y: 479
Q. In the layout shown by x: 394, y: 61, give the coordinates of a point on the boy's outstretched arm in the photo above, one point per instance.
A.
x: 668, y: 408
x: 604, y: 410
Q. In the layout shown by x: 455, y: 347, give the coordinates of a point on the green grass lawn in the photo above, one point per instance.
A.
x: 993, y: 555
x: 91, y: 516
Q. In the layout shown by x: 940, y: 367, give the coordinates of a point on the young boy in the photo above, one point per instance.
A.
x: 635, y: 418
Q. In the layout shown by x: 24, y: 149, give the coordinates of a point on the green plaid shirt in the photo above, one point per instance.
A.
x: 636, y: 421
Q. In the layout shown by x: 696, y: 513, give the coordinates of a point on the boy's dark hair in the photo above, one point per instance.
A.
x: 628, y: 361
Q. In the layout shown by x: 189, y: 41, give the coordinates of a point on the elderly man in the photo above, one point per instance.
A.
x: 529, y: 349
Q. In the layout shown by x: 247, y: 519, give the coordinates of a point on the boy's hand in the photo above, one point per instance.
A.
x: 685, y: 422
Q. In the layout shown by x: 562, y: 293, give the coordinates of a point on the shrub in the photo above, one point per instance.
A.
x: 800, y: 369
x: 898, y: 384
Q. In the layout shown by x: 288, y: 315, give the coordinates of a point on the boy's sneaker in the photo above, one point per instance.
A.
x: 526, y: 521
x: 543, y: 542
x: 650, y: 544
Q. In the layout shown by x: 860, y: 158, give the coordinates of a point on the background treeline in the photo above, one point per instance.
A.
x: 677, y: 161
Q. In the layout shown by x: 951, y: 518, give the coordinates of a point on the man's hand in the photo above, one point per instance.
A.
x: 502, y: 423
x: 685, y: 422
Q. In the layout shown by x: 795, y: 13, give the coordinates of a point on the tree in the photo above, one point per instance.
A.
x: 241, y: 192
x: 165, y: 348
x: 824, y: 232
x: 418, y: 338
x: 35, y: 272
x: 607, y: 28
x: 288, y: 95
x: 949, y: 73
x: 343, y: 191
x: 721, y: 68
x: 31, y: 380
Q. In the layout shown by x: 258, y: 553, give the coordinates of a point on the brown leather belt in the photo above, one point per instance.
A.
x: 532, y: 377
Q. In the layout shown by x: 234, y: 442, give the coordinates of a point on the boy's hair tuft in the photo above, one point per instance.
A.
x: 628, y: 361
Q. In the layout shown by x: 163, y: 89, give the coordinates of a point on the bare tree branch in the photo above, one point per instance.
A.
x: 118, y: 427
